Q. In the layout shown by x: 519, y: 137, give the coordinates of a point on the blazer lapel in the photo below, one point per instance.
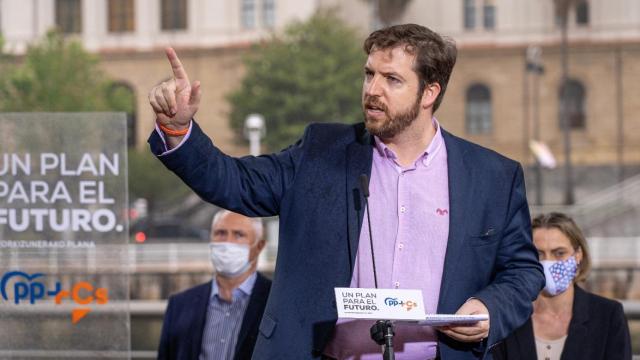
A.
x: 200, y: 305
x: 526, y: 343
x: 574, y: 345
x: 459, y: 185
x: 359, y: 158
x: 255, y: 308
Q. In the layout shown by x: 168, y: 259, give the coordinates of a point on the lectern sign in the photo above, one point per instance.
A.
x: 378, y: 304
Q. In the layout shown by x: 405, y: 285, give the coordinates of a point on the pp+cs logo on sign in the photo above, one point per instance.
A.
x: 409, y: 304
x: 31, y: 288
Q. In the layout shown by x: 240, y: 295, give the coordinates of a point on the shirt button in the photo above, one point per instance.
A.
x: 401, y: 246
x: 403, y: 209
x: 397, y: 284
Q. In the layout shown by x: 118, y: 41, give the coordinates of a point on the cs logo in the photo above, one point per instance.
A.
x: 409, y: 304
x: 31, y: 288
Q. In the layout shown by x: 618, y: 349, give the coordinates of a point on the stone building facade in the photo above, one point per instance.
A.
x: 491, y: 98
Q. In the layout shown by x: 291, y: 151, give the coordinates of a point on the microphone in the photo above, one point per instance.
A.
x: 364, y: 186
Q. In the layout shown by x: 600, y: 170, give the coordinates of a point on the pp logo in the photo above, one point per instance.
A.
x: 409, y: 304
x: 26, y: 289
x: 31, y: 288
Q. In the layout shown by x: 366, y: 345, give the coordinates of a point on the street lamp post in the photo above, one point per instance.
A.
x: 562, y: 11
x: 254, y: 131
x: 620, y: 114
x: 535, y: 67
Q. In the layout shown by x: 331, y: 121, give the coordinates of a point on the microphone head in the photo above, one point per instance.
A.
x: 364, y: 184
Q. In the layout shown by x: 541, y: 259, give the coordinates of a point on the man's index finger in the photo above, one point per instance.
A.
x: 176, y: 65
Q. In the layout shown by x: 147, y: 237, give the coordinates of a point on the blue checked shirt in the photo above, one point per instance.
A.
x: 224, y: 320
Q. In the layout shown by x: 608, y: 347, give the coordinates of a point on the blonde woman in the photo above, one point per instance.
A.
x: 567, y: 322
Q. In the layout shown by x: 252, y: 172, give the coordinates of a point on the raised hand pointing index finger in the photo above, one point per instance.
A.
x: 178, y: 95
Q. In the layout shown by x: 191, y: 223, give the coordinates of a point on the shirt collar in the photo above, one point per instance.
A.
x: 432, y: 149
x: 245, y: 288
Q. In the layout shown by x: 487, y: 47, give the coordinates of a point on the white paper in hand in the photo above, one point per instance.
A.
x: 449, y: 319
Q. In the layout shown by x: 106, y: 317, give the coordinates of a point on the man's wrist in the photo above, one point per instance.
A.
x: 173, y: 131
x: 171, y: 143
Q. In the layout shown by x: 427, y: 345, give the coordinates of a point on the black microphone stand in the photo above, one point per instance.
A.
x: 382, y: 333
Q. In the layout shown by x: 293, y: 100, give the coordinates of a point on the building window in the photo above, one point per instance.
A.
x: 582, y: 13
x: 572, y: 100
x: 121, y: 16
x: 478, y: 110
x: 122, y: 97
x: 174, y: 14
x: 69, y: 16
x: 469, y: 14
x: 248, y: 14
x: 489, y: 14
x: 269, y: 13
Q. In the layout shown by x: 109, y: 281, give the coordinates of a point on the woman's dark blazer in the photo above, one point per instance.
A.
x: 598, y: 330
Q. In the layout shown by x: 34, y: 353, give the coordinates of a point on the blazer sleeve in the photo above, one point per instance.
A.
x: 618, y: 342
x: 164, y: 346
x: 518, y: 275
x: 253, y: 186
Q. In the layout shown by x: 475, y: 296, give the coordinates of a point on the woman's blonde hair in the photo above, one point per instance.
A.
x: 568, y: 227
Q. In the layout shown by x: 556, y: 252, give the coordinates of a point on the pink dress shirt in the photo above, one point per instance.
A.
x: 409, y: 208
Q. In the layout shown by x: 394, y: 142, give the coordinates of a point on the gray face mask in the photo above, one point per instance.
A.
x: 229, y: 259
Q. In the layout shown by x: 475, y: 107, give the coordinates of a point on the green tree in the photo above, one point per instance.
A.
x: 149, y: 179
x: 58, y: 75
x: 310, y: 73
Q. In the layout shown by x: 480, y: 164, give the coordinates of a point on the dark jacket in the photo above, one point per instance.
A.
x: 598, y: 331
x: 313, y: 187
x: 185, y: 318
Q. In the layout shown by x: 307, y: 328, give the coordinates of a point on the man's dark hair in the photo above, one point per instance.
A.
x: 435, y: 55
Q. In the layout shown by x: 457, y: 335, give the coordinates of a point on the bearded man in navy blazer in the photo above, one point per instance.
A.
x: 448, y: 217
x: 219, y: 319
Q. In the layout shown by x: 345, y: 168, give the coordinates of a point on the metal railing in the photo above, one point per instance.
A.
x: 615, y: 251
x: 601, y: 206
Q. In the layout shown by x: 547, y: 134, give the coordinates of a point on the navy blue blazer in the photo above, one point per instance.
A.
x: 313, y: 187
x: 185, y: 318
x: 598, y: 330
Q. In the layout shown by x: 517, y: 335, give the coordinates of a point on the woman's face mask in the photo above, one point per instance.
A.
x: 559, y: 275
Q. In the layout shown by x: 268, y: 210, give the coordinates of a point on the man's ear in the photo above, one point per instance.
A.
x: 429, y: 95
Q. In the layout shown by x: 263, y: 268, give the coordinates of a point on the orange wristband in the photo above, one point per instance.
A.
x: 170, y: 132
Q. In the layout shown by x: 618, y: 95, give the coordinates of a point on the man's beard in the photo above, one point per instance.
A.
x: 394, y: 124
